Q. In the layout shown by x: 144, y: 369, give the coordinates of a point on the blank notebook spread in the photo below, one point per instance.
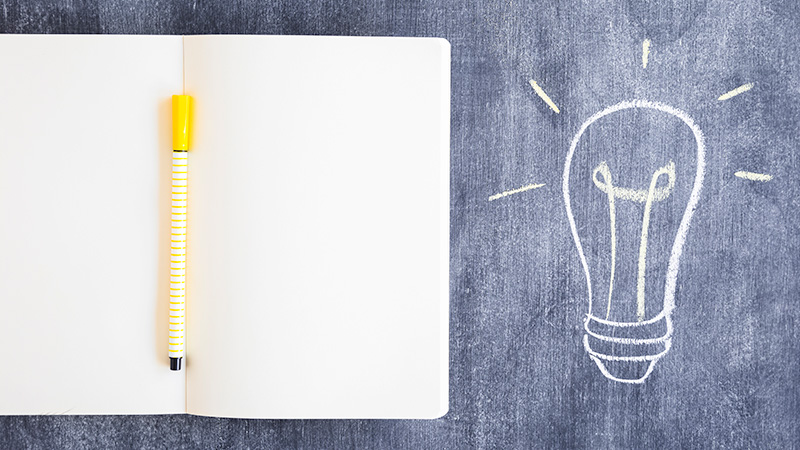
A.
x: 317, y: 246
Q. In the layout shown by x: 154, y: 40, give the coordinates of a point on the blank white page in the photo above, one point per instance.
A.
x: 318, y: 227
x: 84, y: 198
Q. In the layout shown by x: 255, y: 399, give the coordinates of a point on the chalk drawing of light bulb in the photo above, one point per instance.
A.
x: 629, y: 208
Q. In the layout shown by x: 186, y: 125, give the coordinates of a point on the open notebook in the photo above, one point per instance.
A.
x: 317, y: 279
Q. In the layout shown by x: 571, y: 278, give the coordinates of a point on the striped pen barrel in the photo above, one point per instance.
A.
x: 181, y: 106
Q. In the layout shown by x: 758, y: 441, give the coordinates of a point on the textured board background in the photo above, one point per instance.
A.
x: 520, y: 377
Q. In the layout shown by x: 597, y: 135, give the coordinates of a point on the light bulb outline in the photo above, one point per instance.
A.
x: 677, y: 248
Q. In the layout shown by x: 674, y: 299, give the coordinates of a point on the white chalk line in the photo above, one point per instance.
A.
x: 515, y: 191
x: 735, y: 92
x: 683, y: 228
x: 540, y: 92
x: 649, y: 321
x: 645, y: 52
x: 630, y: 341
x: 603, y: 356
x: 752, y: 176
x: 608, y: 375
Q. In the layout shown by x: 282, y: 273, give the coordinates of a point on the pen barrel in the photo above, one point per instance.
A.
x: 177, y: 273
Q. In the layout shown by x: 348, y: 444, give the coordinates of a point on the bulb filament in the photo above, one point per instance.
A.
x: 654, y: 193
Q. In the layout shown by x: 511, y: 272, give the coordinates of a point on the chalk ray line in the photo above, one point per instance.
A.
x: 752, y: 176
x: 540, y: 92
x: 735, y: 92
x: 645, y: 53
x: 515, y: 191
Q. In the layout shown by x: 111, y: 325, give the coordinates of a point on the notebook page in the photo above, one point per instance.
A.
x: 84, y: 183
x: 318, y: 236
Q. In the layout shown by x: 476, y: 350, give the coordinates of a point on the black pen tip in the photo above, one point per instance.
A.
x: 175, y: 363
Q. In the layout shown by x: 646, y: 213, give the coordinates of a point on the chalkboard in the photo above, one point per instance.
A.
x: 681, y: 114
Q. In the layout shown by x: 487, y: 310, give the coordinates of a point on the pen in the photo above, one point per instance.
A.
x: 181, y: 112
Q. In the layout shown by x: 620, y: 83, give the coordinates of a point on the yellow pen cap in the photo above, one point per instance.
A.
x: 181, y: 119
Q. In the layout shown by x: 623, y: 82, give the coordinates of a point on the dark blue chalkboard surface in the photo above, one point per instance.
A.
x: 678, y: 119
